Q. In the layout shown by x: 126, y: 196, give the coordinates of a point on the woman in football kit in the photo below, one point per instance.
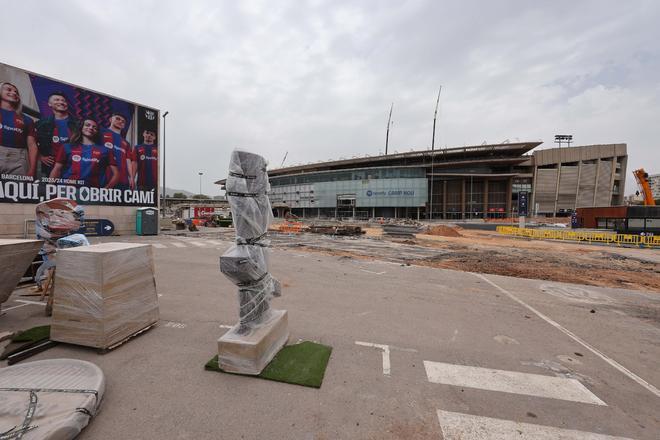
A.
x: 18, y: 145
x: 85, y: 159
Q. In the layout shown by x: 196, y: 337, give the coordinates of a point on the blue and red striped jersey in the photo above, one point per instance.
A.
x: 85, y: 162
x: 122, y: 151
x: 147, y: 166
x: 15, y: 129
x: 60, y: 135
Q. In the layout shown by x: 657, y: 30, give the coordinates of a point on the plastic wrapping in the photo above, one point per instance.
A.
x: 57, y: 218
x: 73, y: 240
x: 246, y: 263
x: 15, y: 258
x: 49, y: 400
x: 103, y: 294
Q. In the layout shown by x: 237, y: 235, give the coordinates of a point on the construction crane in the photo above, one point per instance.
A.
x: 642, y: 178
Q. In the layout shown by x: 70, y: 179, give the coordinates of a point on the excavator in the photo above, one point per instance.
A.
x: 642, y: 178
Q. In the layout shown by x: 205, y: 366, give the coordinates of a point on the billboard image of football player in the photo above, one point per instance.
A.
x: 146, y: 161
x: 85, y: 159
x: 18, y: 145
x: 54, y: 131
x: 112, y: 139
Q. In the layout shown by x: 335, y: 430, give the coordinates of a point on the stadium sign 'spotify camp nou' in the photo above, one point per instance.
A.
x: 61, y: 140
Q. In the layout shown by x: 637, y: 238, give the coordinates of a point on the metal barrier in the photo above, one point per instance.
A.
x: 588, y: 236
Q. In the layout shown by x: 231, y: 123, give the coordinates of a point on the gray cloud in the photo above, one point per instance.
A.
x: 316, y: 78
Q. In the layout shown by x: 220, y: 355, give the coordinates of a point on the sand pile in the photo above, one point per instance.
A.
x: 445, y: 231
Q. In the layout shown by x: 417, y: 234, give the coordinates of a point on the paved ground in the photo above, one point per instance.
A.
x: 419, y: 353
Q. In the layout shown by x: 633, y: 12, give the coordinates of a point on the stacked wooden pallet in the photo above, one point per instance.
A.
x: 104, y: 294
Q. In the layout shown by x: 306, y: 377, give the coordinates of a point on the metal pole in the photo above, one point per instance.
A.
x: 471, y: 208
x: 435, y: 115
x: 200, y: 183
x: 164, y: 184
x: 387, y: 134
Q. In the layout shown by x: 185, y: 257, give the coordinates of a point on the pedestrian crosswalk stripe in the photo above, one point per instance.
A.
x: 468, y: 427
x: 177, y: 244
x: 158, y: 245
x: 510, y: 382
x: 197, y: 243
x: 215, y: 242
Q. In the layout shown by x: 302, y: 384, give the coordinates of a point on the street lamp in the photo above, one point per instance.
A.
x: 164, y: 185
x: 200, y: 183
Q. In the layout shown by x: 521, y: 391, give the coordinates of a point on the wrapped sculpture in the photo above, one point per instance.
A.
x: 261, y: 331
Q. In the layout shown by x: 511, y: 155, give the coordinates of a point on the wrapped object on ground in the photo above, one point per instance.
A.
x: 246, y: 263
x: 73, y: 240
x: 49, y: 400
x: 103, y: 294
x: 15, y: 258
x: 55, y: 219
x: 261, y: 331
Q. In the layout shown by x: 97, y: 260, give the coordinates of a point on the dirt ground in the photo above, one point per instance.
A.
x: 450, y: 247
x: 596, y: 265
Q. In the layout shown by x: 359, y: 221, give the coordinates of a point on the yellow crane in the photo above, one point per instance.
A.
x: 642, y: 178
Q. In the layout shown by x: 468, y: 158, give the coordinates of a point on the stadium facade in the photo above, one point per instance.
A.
x: 454, y: 183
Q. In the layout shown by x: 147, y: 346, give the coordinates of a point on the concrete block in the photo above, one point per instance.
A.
x: 250, y: 353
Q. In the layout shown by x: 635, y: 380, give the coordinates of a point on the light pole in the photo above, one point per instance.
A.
x: 435, y: 115
x: 164, y: 187
x: 387, y: 133
x: 200, y: 183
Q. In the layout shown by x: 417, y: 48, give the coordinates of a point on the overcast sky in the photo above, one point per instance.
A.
x: 316, y: 79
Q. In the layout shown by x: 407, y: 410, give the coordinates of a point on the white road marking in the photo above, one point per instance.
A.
x: 225, y: 326
x: 24, y: 301
x: 510, y: 382
x: 198, y: 243
x: 215, y: 242
x: 453, y: 338
x: 386, y: 354
x: 12, y: 308
x: 375, y: 273
x: 177, y: 244
x: 468, y: 427
x: 158, y: 245
x: 409, y: 350
x: 175, y: 324
x: 570, y: 334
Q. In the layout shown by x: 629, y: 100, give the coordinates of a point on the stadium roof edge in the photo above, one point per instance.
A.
x: 519, y: 147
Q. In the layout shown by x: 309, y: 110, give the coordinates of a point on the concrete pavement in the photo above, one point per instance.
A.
x: 418, y: 352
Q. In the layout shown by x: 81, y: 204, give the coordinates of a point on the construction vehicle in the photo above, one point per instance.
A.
x: 642, y: 178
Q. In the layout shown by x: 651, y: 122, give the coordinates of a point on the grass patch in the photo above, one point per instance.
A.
x: 32, y: 335
x: 300, y: 364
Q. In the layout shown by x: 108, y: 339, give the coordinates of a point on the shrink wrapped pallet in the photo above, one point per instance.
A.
x: 103, y: 294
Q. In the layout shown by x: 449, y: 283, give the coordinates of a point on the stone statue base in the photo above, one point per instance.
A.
x: 250, y: 353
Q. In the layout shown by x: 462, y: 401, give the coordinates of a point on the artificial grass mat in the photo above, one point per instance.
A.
x: 32, y: 335
x: 300, y: 364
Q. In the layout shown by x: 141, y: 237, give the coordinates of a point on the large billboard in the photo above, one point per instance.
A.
x: 61, y: 140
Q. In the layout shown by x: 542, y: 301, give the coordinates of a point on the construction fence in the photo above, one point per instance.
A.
x: 588, y: 236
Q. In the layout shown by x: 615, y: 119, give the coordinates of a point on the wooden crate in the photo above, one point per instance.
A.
x: 15, y: 258
x: 103, y: 294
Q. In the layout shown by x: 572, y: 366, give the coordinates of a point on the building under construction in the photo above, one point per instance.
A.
x: 454, y: 183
